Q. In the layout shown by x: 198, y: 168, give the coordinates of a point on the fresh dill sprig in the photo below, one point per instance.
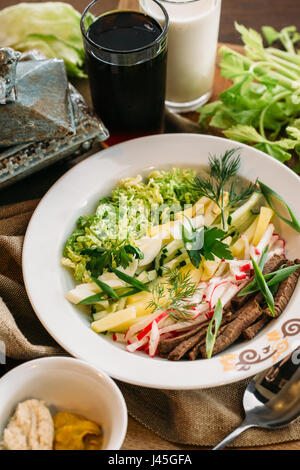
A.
x: 173, y: 295
x: 222, y: 170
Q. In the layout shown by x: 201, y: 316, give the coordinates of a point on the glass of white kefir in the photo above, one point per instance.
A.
x: 193, y: 38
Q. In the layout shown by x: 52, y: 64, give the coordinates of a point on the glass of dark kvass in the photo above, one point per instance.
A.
x: 126, y: 57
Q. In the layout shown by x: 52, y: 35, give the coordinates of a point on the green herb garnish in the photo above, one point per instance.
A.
x: 263, y: 287
x: 268, y: 194
x: 213, y: 329
x: 177, y: 289
x: 131, y: 280
x: 92, y: 299
x: 271, y: 279
x: 221, y: 173
x: 105, y: 288
x: 261, y: 108
x: 119, y: 255
x: 122, y: 292
x: 107, y: 291
x: 263, y: 258
x: 204, y: 243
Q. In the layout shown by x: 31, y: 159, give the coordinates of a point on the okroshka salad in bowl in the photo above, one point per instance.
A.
x: 182, y: 263
x: 141, y: 296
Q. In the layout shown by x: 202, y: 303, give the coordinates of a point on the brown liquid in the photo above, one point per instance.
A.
x: 129, y: 99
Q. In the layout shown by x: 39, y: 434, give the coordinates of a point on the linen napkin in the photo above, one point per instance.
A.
x: 198, y: 417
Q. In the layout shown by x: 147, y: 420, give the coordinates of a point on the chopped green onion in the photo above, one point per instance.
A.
x: 106, y: 288
x: 263, y: 287
x: 268, y: 193
x: 272, y: 279
x: 263, y: 258
x: 281, y: 275
x: 92, y: 299
x: 213, y: 329
x: 128, y: 292
x: 131, y: 280
x: 98, y: 297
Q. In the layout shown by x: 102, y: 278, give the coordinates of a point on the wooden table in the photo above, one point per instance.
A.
x: 254, y: 13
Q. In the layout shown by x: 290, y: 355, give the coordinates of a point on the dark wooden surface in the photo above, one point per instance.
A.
x: 254, y: 13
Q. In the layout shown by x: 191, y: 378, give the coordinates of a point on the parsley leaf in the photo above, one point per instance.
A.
x: 119, y: 255
x: 205, y: 243
x: 213, y: 246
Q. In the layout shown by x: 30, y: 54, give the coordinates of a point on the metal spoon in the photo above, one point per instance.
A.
x: 272, y: 398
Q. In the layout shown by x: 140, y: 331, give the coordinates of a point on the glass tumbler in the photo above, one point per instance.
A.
x: 126, y: 57
x: 193, y: 38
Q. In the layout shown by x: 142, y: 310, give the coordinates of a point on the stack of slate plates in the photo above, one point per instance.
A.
x: 43, y: 118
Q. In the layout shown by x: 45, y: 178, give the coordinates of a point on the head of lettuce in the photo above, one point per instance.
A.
x: 52, y: 27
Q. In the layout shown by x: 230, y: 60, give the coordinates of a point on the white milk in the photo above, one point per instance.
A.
x: 193, y: 37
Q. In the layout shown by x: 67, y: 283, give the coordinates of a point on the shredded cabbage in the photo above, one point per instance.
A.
x: 52, y: 27
x: 127, y: 213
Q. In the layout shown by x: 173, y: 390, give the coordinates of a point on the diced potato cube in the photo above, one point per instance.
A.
x: 123, y: 327
x: 187, y: 213
x: 114, y: 321
x: 198, y: 208
x: 239, y: 246
x: 140, y: 302
x: 264, y: 219
x: 204, y: 200
x: 191, y: 212
x: 194, y: 273
x: 161, y: 231
x: 209, y: 269
x: 210, y: 214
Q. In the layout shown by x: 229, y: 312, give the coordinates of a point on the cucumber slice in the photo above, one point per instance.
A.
x: 172, y: 249
x: 179, y: 261
x: 147, y: 276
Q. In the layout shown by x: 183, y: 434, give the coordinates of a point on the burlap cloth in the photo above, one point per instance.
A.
x: 199, y: 417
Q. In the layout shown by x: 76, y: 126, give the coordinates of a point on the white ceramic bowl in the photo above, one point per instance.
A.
x: 78, y: 192
x: 67, y: 384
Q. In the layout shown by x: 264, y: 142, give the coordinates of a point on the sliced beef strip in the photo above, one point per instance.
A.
x: 281, y: 300
x: 166, y: 345
x: 246, y: 315
x: 274, y: 263
x: 184, y: 346
x: 181, y: 349
x: 284, y: 292
x: 237, y: 302
x: 255, y: 328
x: 195, y: 351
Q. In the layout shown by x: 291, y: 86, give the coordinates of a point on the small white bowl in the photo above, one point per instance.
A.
x: 67, y: 384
